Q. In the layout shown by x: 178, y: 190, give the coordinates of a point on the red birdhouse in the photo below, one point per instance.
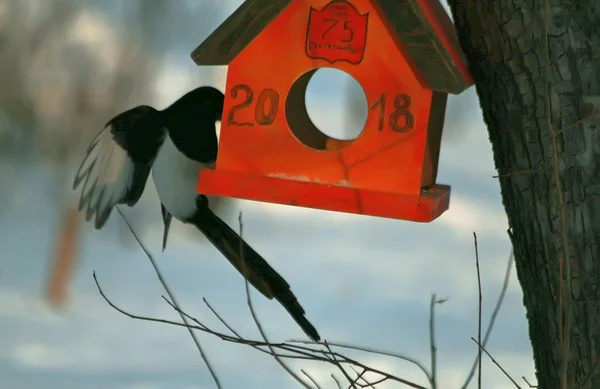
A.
x: 405, y: 56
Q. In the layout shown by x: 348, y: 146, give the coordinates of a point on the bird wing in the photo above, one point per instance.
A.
x: 118, y: 162
x: 251, y: 265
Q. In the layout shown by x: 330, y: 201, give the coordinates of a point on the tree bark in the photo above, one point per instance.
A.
x: 540, y: 109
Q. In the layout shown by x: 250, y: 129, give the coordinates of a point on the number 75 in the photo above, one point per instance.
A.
x: 346, y: 27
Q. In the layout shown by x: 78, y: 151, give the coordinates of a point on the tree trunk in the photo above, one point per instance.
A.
x: 547, y: 153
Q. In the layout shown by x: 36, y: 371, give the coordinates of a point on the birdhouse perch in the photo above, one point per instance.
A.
x: 405, y: 56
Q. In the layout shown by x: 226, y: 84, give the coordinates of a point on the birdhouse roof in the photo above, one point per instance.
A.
x: 422, y: 26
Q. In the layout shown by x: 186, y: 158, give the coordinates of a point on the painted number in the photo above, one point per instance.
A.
x: 270, y: 97
x: 265, y: 111
x: 401, y: 119
x: 348, y: 31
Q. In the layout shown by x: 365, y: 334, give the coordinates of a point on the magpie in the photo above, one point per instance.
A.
x: 173, y: 145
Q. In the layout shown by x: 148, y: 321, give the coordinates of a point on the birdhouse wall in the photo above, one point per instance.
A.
x: 398, y: 149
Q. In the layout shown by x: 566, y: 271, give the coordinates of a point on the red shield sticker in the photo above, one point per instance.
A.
x: 337, y: 33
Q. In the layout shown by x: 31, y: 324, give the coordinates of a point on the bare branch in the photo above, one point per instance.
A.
x: 528, y: 171
x: 332, y: 357
x: 297, y: 351
x: 172, y: 297
x: 493, y: 317
x: 339, y: 386
x: 527, y: 382
x: 591, y: 112
x: 220, y: 318
x: 359, y: 376
x: 564, y: 332
x: 255, y: 317
x: 311, y: 378
x: 375, y: 351
x: 278, y: 351
x: 587, y: 379
x: 432, y: 345
x: 497, y: 364
x: 478, y: 309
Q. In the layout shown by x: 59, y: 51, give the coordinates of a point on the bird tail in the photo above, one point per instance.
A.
x: 251, y: 264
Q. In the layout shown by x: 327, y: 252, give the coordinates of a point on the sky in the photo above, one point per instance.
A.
x: 362, y: 280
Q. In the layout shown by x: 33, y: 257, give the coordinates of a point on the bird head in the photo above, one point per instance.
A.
x: 213, y: 99
x: 204, y: 102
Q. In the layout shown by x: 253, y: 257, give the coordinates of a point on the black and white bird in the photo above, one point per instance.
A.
x: 173, y: 144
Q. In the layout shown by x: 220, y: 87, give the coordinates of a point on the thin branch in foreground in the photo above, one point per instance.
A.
x: 527, y: 171
x: 478, y: 310
x: 255, y: 317
x: 527, y: 382
x: 493, y: 317
x: 172, y: 297
x: 214, y: 312
x: 587, y: 379
x: 311, y: 378
x: 566, y: 290
x: 432, y: 344
x: 333, y: 377
x: 375, y: 351
x: 497, y: 364
x: 359, y: 376
x: 292, y: 351
x: 589, y: 114
x: 297, y: 351
x: 331, y: 356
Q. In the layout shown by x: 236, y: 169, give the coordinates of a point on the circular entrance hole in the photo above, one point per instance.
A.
x: 326, y: 104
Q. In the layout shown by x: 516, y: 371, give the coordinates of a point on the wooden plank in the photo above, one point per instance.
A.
x: 424, y: 207
x: 436, y: 64
x: 435, y: 127
x: 231, y: 37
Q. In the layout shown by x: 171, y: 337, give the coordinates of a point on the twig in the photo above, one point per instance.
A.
x: 372, y: 384
x: 178, y: 310
x: 131, y: 315
x: 255, y: 317
x: 478, y: 310
x: 432, y: 345
x: 332, y: 357
x: 172, y: 297
x: 238, y: 339
x: 347, y: 360
x: 492, y: 318
x: 337, y: 382
x: 220, y: 318
x: 302, y: 351
x: 374, y: 351
x: 590, y: 374
x: 359, y: 376
x: 527, y: 171
x: 497, y: 364
x: 293, y: 351
x: 566, y: 295
x: 580, y: 121
x: 311, y: 378
x: 528, y: 384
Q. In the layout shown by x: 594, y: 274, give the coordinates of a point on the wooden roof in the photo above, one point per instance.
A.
x: 237, y: 31
x: 441, y: 63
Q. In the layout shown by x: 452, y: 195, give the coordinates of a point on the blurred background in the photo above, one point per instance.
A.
x: 66, y: 68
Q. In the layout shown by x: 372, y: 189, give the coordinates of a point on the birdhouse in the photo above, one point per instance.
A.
x: 404, y: 54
